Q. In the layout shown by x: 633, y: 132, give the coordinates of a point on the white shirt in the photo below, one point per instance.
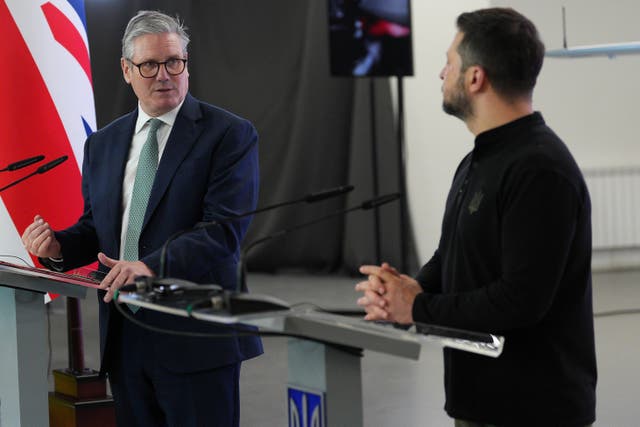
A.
x: 139, y: 137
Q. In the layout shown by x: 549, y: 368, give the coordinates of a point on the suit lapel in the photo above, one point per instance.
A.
x: 184, y: 135
x: 117, y: 155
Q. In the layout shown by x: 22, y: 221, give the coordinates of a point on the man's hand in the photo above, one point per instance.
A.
x: 38, y: 239
x: 373, y: 289
x: 122, y: 273
x: 388, y: 295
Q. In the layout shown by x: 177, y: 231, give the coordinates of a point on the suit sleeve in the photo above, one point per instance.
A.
x: 79, y: 242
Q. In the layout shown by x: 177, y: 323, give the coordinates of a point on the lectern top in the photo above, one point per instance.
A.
x: 40, y: 280
x: 328, y: 327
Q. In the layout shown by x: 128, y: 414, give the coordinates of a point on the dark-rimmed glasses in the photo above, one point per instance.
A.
x: 150, y: 69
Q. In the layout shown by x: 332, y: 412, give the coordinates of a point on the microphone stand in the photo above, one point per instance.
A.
x: 241, y: 269
x: 309, y: 198
x: 162, y: 285
x: 42, y: 169
x: 369, y: 204
x: 240, y: 302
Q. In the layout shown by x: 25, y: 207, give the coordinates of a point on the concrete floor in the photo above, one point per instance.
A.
x: 396, y: 391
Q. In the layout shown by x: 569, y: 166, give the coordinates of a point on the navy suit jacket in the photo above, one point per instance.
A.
x: 208, y: 171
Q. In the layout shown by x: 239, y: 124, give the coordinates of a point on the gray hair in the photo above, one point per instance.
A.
x: 152, y: 22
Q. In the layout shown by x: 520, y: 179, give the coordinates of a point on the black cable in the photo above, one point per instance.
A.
x: 238, y: 331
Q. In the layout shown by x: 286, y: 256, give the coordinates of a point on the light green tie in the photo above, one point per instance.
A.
x: 145, y: 174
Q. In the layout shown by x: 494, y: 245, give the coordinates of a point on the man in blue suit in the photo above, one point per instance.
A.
x: 207, y: 169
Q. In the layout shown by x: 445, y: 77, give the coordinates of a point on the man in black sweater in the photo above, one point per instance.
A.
x: 514, y: 256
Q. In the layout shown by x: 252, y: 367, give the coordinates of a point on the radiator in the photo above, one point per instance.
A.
x: 615, y: 207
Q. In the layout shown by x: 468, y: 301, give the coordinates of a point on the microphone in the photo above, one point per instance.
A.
x: 309, y: 198
x: 42, y: 169
x: 366, y: 205
x: 52, y: 164
x: 22, y: 163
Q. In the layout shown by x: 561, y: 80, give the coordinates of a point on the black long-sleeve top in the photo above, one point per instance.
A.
x: 514, y: 258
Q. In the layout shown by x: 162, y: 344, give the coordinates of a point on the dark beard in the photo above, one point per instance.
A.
x: 459, y: 106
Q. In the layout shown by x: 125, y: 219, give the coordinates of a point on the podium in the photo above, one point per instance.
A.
x: 23, y: 354
x: 324, y: 355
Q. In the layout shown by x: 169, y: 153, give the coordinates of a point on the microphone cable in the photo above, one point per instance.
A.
x: 235, y: 331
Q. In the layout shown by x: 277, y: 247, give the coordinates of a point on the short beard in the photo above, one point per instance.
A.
x: 459, y: 106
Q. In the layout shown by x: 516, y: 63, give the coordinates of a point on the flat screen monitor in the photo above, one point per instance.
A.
x: 370, y: 38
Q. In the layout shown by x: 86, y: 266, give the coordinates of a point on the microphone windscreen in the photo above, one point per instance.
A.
x: 52, y: 164
x: 22, y: 163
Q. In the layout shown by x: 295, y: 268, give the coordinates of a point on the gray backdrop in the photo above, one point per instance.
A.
x: 268, y: 61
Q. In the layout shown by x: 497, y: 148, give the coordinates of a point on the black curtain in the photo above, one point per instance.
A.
x: 268, y: 61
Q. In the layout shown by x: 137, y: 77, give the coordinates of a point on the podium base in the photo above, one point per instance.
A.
x: 79, y: 400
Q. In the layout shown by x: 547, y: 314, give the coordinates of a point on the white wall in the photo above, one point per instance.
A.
x: 435, y: 142
x: 591, y: 103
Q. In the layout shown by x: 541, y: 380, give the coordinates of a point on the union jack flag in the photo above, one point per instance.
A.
x: 47, y: 108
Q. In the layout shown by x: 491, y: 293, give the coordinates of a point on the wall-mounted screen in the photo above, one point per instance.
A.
x: 370, y: 37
